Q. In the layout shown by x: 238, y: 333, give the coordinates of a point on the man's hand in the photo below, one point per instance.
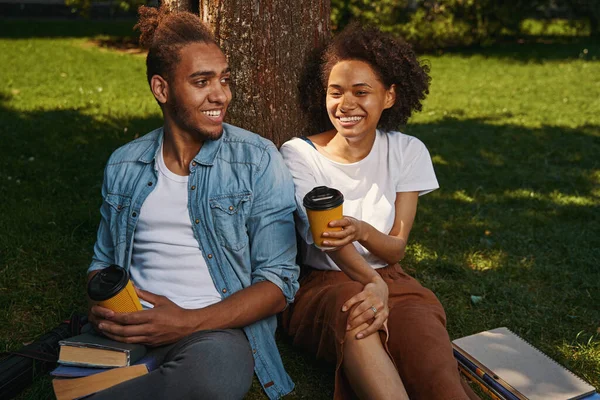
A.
x: 374, y: 295
x: 164, y: 324
x: 352, y: 230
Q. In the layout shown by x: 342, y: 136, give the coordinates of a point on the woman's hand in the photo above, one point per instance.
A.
x: 372, y: 306
x: 352, y: 230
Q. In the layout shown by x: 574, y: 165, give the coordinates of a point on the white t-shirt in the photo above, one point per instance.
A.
x: 166, y: 259
x: 396, y: 163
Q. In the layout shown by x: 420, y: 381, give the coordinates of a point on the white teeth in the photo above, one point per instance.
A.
x: 350, y: 119
x: 212, y: 113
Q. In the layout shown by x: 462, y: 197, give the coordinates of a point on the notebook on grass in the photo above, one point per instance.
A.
x: 521, y: 368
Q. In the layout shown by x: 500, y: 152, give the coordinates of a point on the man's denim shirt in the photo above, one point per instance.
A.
x: 241, y: 204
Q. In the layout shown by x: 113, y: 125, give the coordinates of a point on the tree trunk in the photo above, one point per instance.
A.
x: 267, y: 43
x: 182, y: 5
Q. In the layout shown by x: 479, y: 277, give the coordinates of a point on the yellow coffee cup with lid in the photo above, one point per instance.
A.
x: 323, y: 205
x: 111, y: 288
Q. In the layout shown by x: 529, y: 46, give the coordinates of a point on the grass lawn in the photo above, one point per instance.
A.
x: 513, y: 129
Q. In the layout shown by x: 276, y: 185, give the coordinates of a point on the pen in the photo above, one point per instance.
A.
x: 484, y: 376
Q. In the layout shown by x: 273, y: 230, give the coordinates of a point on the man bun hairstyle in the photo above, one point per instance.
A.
x: 393, y: 61
x: 164, y: 32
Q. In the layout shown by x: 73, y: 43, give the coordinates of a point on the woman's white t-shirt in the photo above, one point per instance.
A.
x: 396, y: 163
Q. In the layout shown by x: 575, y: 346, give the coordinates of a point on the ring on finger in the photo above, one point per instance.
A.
x: 374, y: 309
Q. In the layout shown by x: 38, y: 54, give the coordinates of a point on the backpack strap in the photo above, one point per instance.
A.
x: 307, y: 140
x: 46, y: 347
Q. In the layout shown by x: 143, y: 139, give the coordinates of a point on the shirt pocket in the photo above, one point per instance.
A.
x: 119, y: 207
x: 229, y: 214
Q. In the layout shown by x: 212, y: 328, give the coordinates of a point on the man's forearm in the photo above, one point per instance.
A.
x: 256, y: 302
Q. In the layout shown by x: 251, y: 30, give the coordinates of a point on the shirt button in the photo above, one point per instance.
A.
x: 119, y: 207
x: 224, y: 290
x: 193, y: 187
x: 194, y: 163
x: 149, y: 183
x: 209, y: 256
x: 285, y: 278
x: 197, y: 221
x: 254, y: 351
x: 134, y: 214
x: 230, y: 208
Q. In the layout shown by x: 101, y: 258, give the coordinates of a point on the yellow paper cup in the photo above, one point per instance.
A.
x: 323, y: 205
x: 111, y: 288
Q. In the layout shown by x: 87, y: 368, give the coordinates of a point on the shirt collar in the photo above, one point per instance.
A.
x: 206, y: 155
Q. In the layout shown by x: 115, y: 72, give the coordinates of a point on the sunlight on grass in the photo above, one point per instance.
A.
x: 420, y: 253
x: 566, y: 200
x: 555, y: 197
x: 486, y: 260
x: 439, y: 160
x: 583, y: 354
x: 460, y: 195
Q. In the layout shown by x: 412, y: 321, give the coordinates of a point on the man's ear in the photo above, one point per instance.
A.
x: 390, y: 97
x: 160, y: 88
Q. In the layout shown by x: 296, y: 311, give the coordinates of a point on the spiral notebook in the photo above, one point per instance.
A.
x: 521, y: 368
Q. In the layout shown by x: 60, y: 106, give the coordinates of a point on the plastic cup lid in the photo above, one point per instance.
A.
x: 107, y: 283
x: 323, y: 198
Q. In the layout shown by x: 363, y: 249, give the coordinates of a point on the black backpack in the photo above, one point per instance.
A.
x: 19, y: 368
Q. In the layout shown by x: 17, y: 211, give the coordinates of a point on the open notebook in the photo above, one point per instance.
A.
x: 514, y: 362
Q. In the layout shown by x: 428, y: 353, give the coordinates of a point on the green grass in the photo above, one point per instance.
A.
x: 513, y: 129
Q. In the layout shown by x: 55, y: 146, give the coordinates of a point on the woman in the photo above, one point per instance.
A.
x: 373, y: 83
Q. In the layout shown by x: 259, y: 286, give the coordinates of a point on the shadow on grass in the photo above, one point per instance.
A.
x: 517, y: 219
x: 517, y: 222
x: 51, y: 166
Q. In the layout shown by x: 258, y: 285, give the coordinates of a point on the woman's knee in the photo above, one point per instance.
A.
x: 351, y: 343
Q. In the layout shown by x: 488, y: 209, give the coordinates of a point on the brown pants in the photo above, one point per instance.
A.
x: 418, y: 342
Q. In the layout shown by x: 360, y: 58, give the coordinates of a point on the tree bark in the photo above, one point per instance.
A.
x: 181, y: 5
x: 267, y: 43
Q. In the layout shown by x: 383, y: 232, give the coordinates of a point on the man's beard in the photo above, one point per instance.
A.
x: 184, y: 119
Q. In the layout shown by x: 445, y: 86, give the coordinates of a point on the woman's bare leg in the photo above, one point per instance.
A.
x: 369, y: 369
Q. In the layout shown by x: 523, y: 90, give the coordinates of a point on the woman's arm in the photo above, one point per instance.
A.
x: 388, y: 247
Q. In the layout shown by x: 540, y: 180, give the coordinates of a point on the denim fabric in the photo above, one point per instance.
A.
x: 241, y: 204
x: 215, y: 365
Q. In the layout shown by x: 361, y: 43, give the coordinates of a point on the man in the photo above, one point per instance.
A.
x: 200, y: 213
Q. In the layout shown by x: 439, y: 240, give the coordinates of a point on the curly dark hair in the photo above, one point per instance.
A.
x: 164, y: 32
x: 392, y: 59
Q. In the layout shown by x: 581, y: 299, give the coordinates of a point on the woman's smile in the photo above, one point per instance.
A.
x: 356, y: 97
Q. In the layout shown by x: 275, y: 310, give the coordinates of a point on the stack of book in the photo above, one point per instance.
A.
x: 90, y: 362
x: 506, y: 367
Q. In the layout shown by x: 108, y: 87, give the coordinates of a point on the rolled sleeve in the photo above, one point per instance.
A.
x: 271, y: 226
x: 103, y: 249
